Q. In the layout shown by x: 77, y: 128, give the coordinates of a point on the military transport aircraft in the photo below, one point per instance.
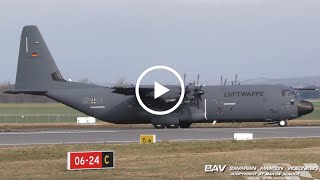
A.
x: 37, y: 74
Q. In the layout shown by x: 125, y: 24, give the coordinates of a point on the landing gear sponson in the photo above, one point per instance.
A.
x: 281, y: 123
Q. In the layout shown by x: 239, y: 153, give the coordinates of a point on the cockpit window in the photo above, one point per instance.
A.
x: 289, y: 92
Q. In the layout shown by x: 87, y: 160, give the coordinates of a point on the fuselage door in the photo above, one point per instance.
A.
x: 214, y: 109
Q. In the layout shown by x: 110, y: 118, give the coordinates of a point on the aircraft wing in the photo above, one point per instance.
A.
x: 306, y: 89
x: 130, y: 90
x: 147, y: 91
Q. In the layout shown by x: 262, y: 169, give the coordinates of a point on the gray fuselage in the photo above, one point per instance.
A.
x: 239, y: 103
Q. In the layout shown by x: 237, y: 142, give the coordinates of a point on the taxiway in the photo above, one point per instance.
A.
x: 126, y: 135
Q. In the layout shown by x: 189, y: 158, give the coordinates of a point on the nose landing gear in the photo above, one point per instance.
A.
x: 283, y: 123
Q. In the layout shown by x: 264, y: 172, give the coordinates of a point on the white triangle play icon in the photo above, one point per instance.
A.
x: 159, y: 90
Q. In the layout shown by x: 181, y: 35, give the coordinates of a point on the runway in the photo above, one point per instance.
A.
x: 126, y: 135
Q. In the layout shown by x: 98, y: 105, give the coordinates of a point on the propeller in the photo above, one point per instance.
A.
x: 198, y: 92
x: 194, y: 97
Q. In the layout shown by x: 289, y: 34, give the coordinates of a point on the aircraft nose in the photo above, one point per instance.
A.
x: 305, y: 107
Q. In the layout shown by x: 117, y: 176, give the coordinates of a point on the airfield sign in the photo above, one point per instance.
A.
x: 147, y: 139
x: 90, y: 160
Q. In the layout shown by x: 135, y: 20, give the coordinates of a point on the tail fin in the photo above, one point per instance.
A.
x: 36, y: 67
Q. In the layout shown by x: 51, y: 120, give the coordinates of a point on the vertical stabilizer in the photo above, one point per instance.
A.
x: 36, y: 67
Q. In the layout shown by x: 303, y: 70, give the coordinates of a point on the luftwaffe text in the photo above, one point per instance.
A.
x: 246, y: 93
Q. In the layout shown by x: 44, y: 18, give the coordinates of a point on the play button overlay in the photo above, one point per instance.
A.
x: 159, y: 90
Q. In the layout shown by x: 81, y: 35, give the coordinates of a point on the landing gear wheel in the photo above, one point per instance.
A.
x: 159, y: 126
x: 172, y: 125
x: 185, y: 125
x: 283, y: 123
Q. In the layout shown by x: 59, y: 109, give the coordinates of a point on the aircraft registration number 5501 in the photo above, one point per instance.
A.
x: 90, y: 160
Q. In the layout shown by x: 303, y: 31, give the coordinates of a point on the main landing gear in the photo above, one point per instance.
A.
x: 159, y: 126
x: 173, y: 126
x: 283, y: 123
x: 185, y: 125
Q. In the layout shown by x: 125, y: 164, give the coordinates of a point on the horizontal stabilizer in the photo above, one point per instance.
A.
x: 26, y: 92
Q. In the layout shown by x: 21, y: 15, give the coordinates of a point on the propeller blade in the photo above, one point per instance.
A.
x: 184, y: 78
x: 198, y: 103
x: 236, y: 79
x: 221, y: 80
x: 187, y: 91
x: 198, y: 79
x: 225, y: 81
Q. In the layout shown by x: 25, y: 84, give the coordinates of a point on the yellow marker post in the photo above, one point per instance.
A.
x: 147, y: 139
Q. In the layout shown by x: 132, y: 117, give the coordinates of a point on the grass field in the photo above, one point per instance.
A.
x: 163, y: 160
x: 37, y: 113
x: 59, y: 113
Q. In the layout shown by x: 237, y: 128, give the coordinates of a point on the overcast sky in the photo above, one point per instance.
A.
x: 104, y: 40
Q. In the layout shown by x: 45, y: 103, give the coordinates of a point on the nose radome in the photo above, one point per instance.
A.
x: 305, y: 107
